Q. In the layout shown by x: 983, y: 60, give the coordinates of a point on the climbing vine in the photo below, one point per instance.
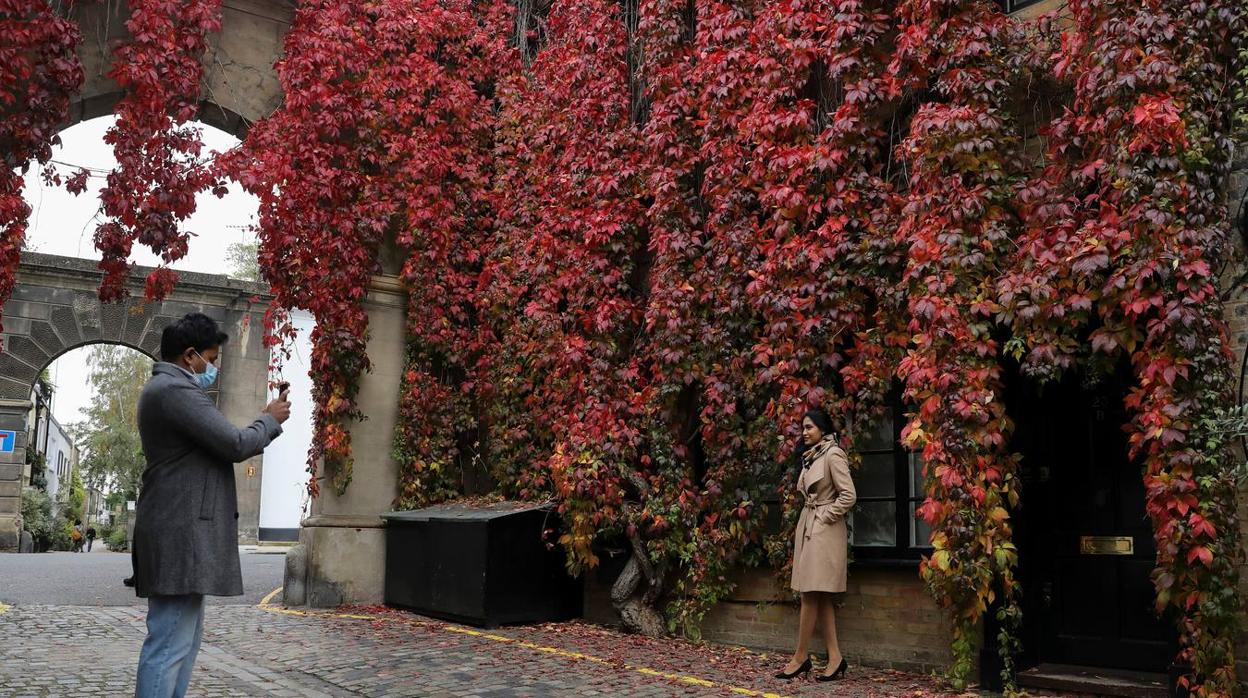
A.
x: 638, y: 238
x: 39, y: 73
x: 827, y: 289
x: 958, y: 220
x: 442, y: 189
x: 1127, y: 226
x: 563, y: 285
x: 381, y: 137
x: 160, y: 165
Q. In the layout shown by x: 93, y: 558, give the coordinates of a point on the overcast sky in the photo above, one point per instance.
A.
x: 63, y: 224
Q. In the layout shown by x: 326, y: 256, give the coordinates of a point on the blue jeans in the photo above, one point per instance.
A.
x: 174, y: 627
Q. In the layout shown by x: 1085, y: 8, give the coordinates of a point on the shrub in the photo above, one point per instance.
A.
x: 37, y: 516
x: 117, y: 539
x: 61, y: 538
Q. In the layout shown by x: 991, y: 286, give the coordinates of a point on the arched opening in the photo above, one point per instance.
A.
x: 62, y: 223
x: 54, y: 312
x: 211, y: 114
x: 240, y: 83
x: 84, y: 460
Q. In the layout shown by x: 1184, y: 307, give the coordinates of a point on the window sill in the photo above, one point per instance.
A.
x: 885, y: 562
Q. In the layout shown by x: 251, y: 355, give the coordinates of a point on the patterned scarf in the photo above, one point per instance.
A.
x: 814, y: 452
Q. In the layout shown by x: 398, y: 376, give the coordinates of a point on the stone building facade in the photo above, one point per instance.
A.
x: 886, y: 619
x: 55, y: 309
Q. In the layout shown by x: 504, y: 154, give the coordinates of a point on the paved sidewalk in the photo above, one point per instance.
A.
x: 267, y: 651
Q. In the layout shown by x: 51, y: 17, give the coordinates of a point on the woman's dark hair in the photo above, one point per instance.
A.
x: 821, y: 420
x: 193, y: 331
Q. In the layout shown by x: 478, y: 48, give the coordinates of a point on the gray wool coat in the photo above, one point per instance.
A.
x: 186, y: 521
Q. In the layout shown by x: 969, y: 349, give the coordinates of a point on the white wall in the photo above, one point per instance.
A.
x: 283, y: 489
x: 61, y: 459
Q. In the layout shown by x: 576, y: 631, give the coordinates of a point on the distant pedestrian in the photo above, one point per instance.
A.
x: 186, y: 521
x: 76, y: 536
x: 90, y: 537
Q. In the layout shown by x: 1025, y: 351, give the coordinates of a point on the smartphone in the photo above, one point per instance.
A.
x: 282, y: 388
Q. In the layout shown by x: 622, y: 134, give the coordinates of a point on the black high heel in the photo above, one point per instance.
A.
x: 836, y: 675
x: 803, y: 669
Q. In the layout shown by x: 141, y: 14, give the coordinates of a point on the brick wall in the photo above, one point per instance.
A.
x: 886, y: 618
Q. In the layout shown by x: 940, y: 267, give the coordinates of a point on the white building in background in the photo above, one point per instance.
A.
x: 283, y: 487
x: 50, y: 440
x: 60, y: 455
x: 36, y: 427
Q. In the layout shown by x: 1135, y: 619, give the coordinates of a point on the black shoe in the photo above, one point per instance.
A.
x: 836, y: 675
x: 128, y: 581
x: 803, y: 669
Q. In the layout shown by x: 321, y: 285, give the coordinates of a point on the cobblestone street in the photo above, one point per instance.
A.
x: 268, y: 651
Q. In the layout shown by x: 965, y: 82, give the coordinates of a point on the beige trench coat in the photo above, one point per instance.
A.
x: 821, y: 542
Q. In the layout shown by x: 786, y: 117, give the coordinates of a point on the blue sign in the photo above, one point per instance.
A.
x: 8, y: 440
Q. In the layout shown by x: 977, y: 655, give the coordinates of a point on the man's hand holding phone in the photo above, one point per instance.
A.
x: 279, y: 407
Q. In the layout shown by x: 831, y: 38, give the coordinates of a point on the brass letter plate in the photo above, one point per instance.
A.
x: 1106, y: 545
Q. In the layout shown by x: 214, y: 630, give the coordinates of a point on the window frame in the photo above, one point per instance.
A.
x: 903, y: 499
x: 1012, y: 6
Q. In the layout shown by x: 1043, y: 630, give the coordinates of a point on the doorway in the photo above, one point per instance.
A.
x: 1085, y: 542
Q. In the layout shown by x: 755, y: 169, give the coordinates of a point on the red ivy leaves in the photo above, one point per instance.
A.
x: 629, y: 269
x: 440, y: 189
x: 158, y: 171
x: 958, y: 220
x: 560, y: 287
x: 378, y: 135
x: 1122, y: 226
x: 39, y: 72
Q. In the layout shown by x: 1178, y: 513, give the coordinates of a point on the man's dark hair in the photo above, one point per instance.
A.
x: 194, y: 331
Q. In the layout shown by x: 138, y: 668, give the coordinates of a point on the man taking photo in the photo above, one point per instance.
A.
x: 186, y: 519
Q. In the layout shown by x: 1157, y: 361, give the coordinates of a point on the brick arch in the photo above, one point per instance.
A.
x: 149, y: 352
x: 210, y: 113
x: 42, y: 325
x: 240, y: 82
x: 55, y: 309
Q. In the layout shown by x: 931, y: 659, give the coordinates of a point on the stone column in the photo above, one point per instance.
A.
x: 244, y: 393
x: 343, y: 543
x: 13, y: 415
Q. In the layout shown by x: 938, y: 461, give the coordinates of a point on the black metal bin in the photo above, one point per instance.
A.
x: 482, y: 565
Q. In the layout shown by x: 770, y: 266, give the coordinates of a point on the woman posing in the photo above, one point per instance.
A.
x: 821, y: 543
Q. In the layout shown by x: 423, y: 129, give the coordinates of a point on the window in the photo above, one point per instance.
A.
x: 1015, y: 5
x: 889, y: 483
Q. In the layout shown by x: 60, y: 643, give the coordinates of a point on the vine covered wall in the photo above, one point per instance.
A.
x: 640, y: 237
x: 39, y: 73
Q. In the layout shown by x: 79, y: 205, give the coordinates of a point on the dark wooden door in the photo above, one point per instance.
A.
x: 1086, y: 544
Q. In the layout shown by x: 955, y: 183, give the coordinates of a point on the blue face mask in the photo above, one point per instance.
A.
x: 209, y: 376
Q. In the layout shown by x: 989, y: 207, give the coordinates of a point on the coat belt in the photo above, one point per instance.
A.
x: 813, y: 505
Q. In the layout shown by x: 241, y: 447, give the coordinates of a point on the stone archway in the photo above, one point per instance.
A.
x: 54, y: 309
x: 240, y: 83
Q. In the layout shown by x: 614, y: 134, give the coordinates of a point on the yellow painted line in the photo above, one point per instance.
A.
x: 266, y: 605
x: 673, y: 677
x: 759, y: 694
x: 269, y: 597
x: 4, y: 608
